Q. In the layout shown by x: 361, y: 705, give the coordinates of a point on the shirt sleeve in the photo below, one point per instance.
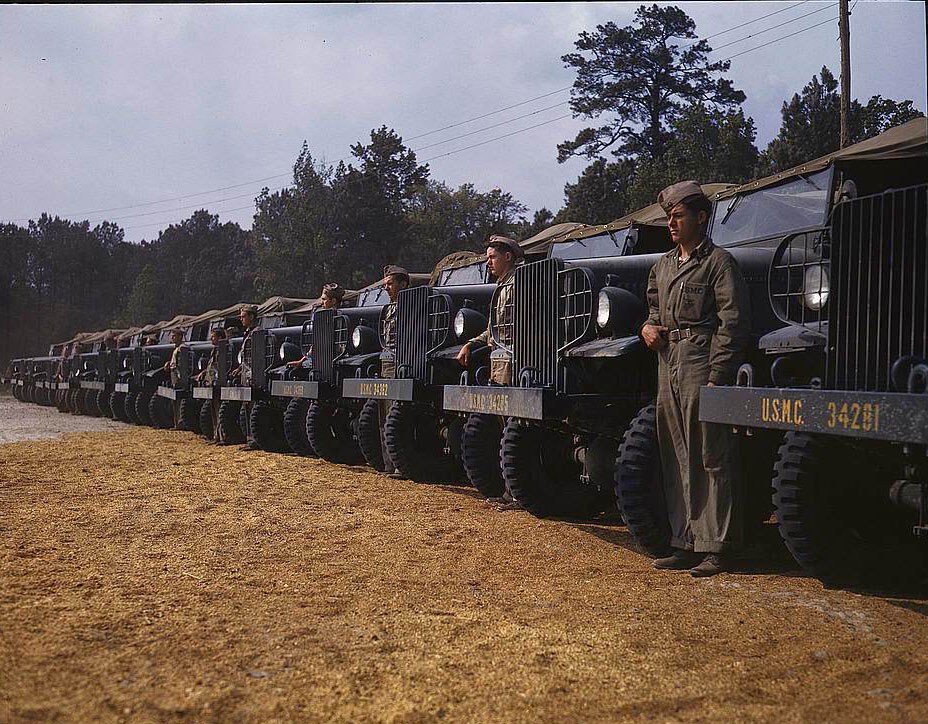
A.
x: 654, y: 306
x: 481, y: 340
x: 733, y: 309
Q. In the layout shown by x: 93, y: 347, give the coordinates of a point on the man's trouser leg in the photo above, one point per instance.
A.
x: 383, y: 407
x: 673, y: 447
x: 217, y: 428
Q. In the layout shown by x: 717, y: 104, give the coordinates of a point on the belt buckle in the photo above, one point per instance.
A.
x: 676, y: 335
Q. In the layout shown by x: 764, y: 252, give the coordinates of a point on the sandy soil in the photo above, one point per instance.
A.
x: 148, y: 577
x: 25, y: 421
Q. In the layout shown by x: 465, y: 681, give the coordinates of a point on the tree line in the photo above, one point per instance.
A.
x: 662, y: 111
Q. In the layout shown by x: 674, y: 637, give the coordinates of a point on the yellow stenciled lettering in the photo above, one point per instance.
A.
x: 765, y: 409
x: 797, y: 412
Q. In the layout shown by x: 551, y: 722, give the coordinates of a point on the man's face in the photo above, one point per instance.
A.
x: 214, y: 338
x: 177, y: 338
x: 685, y: 226
x: 499, y: 262
x: 329, y: 302
x: 248, y: 319
x: 394, y: 284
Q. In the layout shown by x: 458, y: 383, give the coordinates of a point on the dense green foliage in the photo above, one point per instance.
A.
x: 667, y: 114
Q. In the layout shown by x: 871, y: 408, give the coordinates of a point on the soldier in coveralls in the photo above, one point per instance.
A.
x: 698, y: 323
x: 331, y: 298
x: 503, y: 254
x: 249, y: 317
x: 395, y: 280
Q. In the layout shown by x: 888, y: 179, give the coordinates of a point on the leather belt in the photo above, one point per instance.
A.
x: 675, y: 335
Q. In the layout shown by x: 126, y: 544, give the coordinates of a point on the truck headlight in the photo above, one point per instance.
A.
x: 468, y: 323
x: 363, y: 339
x: 603, y: 310
x: 459, y: 321
x: 289, y: 352
x: 618, y: 311
x: 815, y: 287
x: 241, y: 355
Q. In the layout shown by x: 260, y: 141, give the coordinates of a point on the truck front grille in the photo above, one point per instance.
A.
x: 879, y: 289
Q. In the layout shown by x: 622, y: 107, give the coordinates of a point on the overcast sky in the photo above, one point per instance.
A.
x: 111, y: 106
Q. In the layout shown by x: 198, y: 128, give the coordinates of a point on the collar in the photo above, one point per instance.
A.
x: 703, y: 250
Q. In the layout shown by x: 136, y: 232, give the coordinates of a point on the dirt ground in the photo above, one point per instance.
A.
x: 148, y: 577
x: 19, y: 421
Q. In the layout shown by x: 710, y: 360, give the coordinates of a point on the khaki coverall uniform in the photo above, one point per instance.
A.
x: 500, y: 367
x: 704, y: 303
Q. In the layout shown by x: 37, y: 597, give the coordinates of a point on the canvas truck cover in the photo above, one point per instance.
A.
x: 281, y: 305
x: 536, y: 244
x: 651, y: 215
x: 910, y: 140
x: 129, y: 333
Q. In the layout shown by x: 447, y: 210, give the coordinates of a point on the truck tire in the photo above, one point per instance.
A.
x: 190, y: 414
x: 538, y: 470
x: 369, y: 435
x: 129, y: 407
x: 63, y: 401
x: 832, y: 505
x: 328, y: 430
x: 83, y: 402
x: 295, y: 427
x: 267, y: 426
x: 244, y: 422
x: 639, y: 485
x: 142, y: 407
x: 206, y: 421
x: 229, y: 411
x: 74, y: 401
x: 102, y: 402
x: 118, y: 406
x: 161, y: 412
x: 480, y: 452
x: 413, y: 442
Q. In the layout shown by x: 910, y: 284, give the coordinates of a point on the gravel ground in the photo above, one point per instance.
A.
x: 148, y: 577
x: 21, y: 421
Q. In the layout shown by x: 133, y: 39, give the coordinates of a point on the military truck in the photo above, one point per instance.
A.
x: 97, y: 374
x: 141, y: 370
x: 580, y: 371
x: 191, y: 412
x: 422, y: 439
x: 279, y: 323
x: 339, y: 344
x: 846, y: 378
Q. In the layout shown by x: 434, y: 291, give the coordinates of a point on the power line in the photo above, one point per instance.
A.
x: 487, y: 128
x: 491, y: 113
x: 777, y: 40
x: 162, y: 223
x: 750, y: 22
x: 507, y: 135
x: 774, y: 27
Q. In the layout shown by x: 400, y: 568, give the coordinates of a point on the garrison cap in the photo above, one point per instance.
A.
x: 333, y: 291
x: 674, y: 194
x: 250, y: 309
x: 392, y: 270
x: 511, y: 245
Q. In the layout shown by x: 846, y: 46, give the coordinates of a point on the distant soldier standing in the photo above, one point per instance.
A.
x: 331, y: 298
x: 249, y: 317
x: 503, y: 254
x: 395, y: 280
x: 698, y: 323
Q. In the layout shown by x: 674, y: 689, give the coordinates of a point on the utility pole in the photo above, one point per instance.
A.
x: 844, y: 28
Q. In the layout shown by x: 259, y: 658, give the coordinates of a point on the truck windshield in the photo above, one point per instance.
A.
x: 593, y: 246
x: 470, y: 274
x: 373, y: 297
x: 800, y: 203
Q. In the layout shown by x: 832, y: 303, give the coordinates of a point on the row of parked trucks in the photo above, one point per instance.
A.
x: 831, y: 405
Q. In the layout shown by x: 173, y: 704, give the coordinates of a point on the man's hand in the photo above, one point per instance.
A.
x: 464, y: 355
x: 655, y: 336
